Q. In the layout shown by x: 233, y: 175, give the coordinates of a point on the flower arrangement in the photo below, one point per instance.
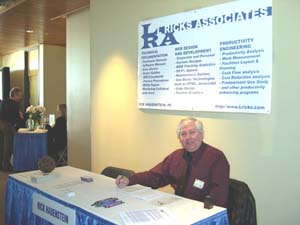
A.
x: 35, y: 114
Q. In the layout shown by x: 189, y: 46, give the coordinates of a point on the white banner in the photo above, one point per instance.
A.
x: 212, y: 59
x: 52, y: 211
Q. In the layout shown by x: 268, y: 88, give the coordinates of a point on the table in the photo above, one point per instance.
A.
x: 21, y: 193
x: 28, y: 148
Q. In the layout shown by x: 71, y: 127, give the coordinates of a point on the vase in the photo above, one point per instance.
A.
x: 32, y: 125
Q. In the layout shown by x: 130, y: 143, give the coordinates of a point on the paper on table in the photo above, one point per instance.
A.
x: 67, y: 193
x: 147, y: 217
x: 68, y: 184
x: 164, y: 200
x: 28, y: 175
x: 134, y: 188
x: 147, y: 194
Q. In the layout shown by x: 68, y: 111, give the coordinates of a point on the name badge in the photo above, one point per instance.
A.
x: 198, y: 183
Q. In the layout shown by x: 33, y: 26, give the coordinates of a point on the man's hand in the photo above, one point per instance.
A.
x: 122, y: 181
x: 21, y: 115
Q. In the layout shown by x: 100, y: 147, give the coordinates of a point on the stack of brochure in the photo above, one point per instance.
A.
x: 154, y: 216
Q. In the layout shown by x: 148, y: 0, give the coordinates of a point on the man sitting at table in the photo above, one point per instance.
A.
x: 57, y: 135
x: 11, y: 119
x: 195, y: 171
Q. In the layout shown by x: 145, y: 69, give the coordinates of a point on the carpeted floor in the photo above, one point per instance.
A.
x: 3, y: 177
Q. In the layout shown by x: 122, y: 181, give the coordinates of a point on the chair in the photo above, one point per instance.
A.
x: 113, y: 172
x: 241, y: 204
x: 62, y: 157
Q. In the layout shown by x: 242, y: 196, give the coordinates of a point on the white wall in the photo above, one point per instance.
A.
x: 15, y: 62
x: 78, y: 89
x: 263, y: 150
x: 54, y: 76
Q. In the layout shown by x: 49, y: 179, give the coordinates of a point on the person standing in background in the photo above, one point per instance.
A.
x: 11, y: 119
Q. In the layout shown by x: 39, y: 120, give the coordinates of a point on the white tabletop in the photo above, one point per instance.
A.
x: 67, y: 180
x: 27, y: 131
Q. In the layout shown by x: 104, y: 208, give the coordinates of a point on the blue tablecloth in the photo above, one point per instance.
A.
x: 28, y: 148
x: 19, y: 208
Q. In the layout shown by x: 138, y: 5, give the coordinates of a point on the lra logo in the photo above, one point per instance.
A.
x: 153, y: 40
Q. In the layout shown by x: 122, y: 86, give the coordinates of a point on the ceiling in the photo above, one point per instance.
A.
x: 25, y: 23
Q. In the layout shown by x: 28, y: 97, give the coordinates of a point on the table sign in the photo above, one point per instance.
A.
x: 52, y: 211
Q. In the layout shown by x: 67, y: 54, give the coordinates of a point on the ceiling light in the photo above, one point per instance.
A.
x: 29, y: 31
